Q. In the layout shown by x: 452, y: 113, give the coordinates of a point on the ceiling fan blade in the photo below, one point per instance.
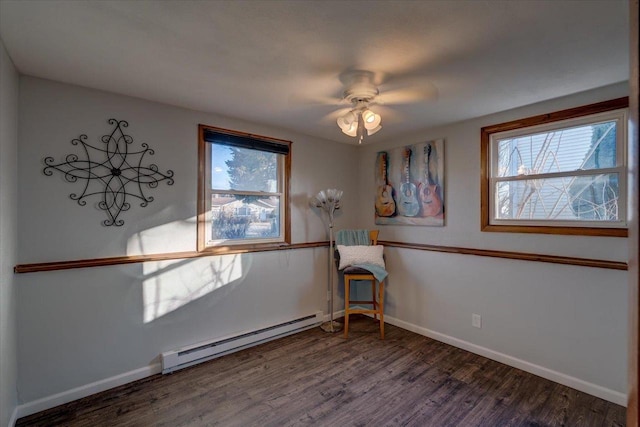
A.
x: 353, y: 75
x: 389, y: 115
x: 333, y: 116
x: 300, y: 99
x: 408, y: 94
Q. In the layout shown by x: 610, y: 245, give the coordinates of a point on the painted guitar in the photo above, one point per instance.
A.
x: 429, y: 191
x: 385, y: 203
x: 408, y: 201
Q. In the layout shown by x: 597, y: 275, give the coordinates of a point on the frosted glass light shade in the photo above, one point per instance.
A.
x: 347, y: 120
x: 371, y: 119
x: 368, y: 116
x: 359, y: 122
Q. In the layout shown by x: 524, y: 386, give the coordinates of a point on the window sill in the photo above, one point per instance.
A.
x: 240, y: 248
x: 574, y: 231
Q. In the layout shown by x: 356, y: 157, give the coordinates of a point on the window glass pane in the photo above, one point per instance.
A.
x: 243, y: 169
x: 237, y: 217
x: 590, y: 146
x: 578, y: 198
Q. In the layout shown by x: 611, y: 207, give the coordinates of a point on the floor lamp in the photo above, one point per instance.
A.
x: 329, y: 202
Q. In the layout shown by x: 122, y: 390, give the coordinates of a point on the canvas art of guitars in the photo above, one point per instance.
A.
x: 429, y: 191
x: 409, y: 185
x: 408, y: 204
x: 385, y: 194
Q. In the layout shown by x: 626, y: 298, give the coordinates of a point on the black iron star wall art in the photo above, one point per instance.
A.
x: 114, y: 180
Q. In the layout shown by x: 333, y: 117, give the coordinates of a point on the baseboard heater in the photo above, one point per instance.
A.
x: 201, y: 352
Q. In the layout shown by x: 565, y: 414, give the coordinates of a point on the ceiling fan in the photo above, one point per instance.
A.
x: 362, y: 91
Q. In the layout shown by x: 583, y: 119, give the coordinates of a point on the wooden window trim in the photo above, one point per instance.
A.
x: 485, y: 140
x: 202, y: 191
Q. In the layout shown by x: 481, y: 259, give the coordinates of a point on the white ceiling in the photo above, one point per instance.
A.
x: 263, y: 61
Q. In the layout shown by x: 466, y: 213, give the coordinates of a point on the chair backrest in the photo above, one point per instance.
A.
x: 373, y: 236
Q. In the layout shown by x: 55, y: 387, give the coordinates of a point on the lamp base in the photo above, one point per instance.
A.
x: 331, y: 327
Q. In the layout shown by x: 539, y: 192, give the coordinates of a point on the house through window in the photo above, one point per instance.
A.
x: 243, y: 190
x: 562, y: 173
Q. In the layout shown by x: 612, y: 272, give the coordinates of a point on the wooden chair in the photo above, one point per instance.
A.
x: 376, y: 302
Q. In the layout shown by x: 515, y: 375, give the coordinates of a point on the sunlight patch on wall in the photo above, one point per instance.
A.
x: 175, y: 236
x: 169, y: 285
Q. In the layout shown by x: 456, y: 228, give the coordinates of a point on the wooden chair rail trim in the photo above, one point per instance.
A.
x: 103, y: 262
x: 522, y: 256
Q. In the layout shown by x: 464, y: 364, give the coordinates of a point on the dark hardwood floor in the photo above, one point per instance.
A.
x: 313, y: 378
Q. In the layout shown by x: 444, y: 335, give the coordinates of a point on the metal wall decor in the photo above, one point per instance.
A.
x: 116, y: 179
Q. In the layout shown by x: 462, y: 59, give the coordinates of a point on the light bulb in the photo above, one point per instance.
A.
x: 368, y: 116
x: 372, y: 121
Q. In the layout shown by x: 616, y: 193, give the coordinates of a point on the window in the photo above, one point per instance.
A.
x: 558, y: 173
x: 243, y: 190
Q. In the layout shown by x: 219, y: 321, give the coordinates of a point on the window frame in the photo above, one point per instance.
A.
x: 204, y: 193
x: 544, y: 122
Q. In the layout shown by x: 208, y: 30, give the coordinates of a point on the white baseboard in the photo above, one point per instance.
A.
x: 61, y: 398
x: 336, y: 315
x: 14, y: 417
x: 564, y: 379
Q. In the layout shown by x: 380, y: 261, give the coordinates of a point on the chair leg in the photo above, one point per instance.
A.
x: 373, y: 299
x: 347, y: 284
x: 381, y: 305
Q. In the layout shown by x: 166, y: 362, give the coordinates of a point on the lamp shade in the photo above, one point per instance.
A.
x: 359, y: 122
x: 351, y: 130
x: 346, y: 121
x: 374, y: 130
x: 371, y: 119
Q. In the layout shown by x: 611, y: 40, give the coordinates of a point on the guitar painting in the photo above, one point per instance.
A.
x: 406, y: 196
x: 429, y: 191
x: 408, y: 204
x: 385, y: 202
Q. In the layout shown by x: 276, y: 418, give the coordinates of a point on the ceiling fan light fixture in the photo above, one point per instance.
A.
x: 359, y: 122
x: 368, y: 115
x: 374, y: 130
x: 371, y: 119
x: 361, y: 129
x: 360, y: 91
x: 351, y: 130
x: 346, y: 121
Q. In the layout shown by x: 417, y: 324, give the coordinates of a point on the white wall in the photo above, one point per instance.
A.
x: 85, y: 325
x: 8, y: 233
x: 567, y: 319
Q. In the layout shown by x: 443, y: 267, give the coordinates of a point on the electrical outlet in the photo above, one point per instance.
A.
x: 476, y: 320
